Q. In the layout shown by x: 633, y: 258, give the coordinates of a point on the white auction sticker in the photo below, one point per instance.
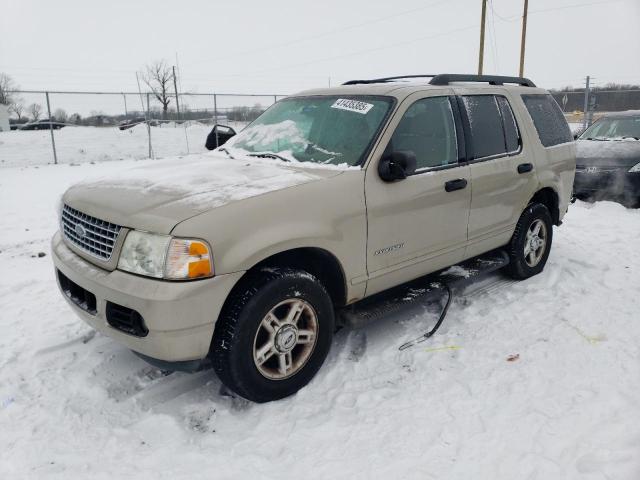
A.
x: 352, y: 105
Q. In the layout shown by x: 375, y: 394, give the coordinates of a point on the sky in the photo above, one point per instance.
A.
x: 283, y: 46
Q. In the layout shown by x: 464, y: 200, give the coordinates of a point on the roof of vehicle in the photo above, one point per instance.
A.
x: 402, y: 86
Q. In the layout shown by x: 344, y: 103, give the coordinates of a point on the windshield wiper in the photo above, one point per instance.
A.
x: 598, y: 139
x: 268, y: 155
x: 222, y: 149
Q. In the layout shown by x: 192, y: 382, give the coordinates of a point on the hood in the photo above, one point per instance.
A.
x: 159, y: 194
x: 612, y: 153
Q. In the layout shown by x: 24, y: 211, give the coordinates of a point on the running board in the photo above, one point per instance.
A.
x: 415, y: 296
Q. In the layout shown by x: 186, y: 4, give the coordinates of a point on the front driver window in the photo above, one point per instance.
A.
x: 428, y: 130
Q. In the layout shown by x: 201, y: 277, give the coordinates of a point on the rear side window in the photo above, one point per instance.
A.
x: 486, y: 125
x: 548, y: 119
x: 511, y: 134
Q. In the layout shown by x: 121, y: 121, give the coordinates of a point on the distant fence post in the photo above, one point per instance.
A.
x: 175, y: 88
x: 585, y: 119
x: 53, y: 140
x: 149, y: 125
x: 215, y: 108
x: 215, y: 115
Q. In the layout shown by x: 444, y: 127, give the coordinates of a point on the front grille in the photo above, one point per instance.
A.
x: 92, y: 235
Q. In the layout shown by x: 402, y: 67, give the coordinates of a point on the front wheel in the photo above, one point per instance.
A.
x: 273, y: 335
x: 531, y: 242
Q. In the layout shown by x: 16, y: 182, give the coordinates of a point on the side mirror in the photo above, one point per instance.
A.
x: 219, y: 136
x: 397, y: 165
x: 575, y: 136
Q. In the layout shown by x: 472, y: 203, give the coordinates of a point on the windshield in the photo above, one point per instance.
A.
x: 613, y: 128
x: 325, y: 129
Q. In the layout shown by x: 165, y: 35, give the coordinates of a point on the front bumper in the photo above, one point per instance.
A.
x: 180, y: 316
x: 613, y: 183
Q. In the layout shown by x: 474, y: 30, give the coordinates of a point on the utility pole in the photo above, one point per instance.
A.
x: 482, y: 23
x: 585, y: 119
x: 175, y: 88
x: 524, y: 36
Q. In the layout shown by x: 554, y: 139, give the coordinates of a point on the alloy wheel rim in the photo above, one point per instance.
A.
x: 535, y: 243
x: 285, y: 339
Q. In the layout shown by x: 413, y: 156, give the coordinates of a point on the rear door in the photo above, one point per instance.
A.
x: 502, y: 169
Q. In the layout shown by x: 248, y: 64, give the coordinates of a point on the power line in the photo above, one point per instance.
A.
x: 333, y: 31
x: 359, y: 52
x: 512, y: 18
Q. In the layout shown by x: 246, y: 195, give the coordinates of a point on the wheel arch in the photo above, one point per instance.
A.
x: 319, y: 262
x: 548, y: 197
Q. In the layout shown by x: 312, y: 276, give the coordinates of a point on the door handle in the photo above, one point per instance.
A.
x: 457, y: 184
x: 525, y: 167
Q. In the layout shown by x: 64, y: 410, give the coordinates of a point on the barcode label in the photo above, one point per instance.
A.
x: 352, y: 105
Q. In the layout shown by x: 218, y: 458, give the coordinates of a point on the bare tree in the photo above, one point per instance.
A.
x: 6, y: 85
x: 158, y: 77
x: 35, y: 110
x: 17, y: 108
x: 60, y: 115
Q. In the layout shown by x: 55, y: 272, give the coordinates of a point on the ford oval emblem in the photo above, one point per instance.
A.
x: 80, y: 231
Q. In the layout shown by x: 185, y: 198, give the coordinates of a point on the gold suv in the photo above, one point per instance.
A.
x: 243, y: 257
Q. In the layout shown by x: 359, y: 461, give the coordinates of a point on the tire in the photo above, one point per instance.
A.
x: 521, y: 266
x: 252, y: 353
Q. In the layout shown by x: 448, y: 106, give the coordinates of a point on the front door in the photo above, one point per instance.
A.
x: 418, y: 225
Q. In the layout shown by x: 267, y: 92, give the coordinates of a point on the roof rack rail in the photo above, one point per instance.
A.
x: 447, y: 78
x: 385, y: 79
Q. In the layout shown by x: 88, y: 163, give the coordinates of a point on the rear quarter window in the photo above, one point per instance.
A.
x: 511, y: 133
x: 548, y: 119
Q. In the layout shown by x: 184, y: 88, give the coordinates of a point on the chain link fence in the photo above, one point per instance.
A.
x: 599, y: 102
x: 78, y: 127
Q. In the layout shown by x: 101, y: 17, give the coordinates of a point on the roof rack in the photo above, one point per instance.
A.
x: 447, y: 78
x: 385, y: 79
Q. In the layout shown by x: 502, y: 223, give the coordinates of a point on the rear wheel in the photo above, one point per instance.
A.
x: 273, y: 335
x: 531, y: 242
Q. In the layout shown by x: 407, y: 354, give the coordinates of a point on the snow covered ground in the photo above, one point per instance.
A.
x: 93, y: 144
x: 531, y: 380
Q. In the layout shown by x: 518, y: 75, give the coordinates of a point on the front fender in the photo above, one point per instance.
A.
x: 274, y: 239
x: 329, y: 214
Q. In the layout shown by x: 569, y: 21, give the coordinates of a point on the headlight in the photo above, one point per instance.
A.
x: 161, y: 256
x: 635, y: 168
x: 144, y: 253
